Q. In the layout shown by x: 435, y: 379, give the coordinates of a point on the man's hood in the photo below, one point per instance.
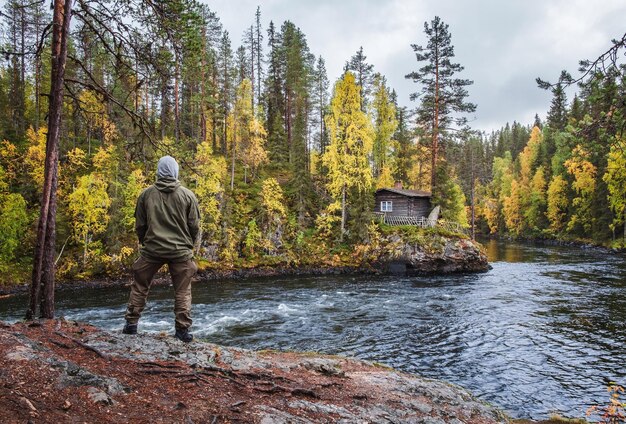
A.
x: 167, y: 185
x: 167, y: 175
x: 167, y: 168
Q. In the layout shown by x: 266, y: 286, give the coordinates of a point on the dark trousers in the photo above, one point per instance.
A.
x: 181, y: 273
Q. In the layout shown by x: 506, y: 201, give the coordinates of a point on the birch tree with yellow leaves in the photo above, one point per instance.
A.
x: 584, y: 185
x: 615, y: 178
x: 89, y: 207
x: 351, y: 139
x: 557, y: 203
x: 211, y: 170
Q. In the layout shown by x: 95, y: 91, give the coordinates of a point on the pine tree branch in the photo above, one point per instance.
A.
x: 588, y: 68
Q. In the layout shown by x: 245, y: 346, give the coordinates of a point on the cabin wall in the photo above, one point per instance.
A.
x: 419, y: 207
x: 404, y: 205
x: 400, y: 204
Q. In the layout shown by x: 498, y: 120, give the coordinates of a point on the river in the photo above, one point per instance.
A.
x: 540, y: 333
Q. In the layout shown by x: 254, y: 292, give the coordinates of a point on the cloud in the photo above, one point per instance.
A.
x: 503, y: 45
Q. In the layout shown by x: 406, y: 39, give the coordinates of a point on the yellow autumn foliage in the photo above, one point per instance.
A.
x: 36, y: 155
x: 584, y: 184
x: 557, y: 203
x: 10, y: 160
x: 512, y: 209
x: 351, y: 138
x: 615, y: 178
x: 96, y: 115
x: 211, y: 170
x: 89, y: 207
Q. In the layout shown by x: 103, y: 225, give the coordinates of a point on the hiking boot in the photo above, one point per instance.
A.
x: 130, y: 328
x: 184, y: 335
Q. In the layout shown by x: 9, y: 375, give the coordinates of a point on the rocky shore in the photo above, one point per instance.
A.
x: 60, y: 371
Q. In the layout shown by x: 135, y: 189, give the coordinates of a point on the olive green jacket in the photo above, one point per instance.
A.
x: 167, y: 220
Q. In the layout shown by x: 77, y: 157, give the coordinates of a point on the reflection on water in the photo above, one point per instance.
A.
x: 497, y: 252
x: 539, y: 333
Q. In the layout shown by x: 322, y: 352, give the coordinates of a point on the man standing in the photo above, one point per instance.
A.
x: 167, y: 219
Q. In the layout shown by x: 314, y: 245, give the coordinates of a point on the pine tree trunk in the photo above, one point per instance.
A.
x: 43, y: 263
x: 288, y: 123
x: 37, y: 73
x: 176, y: 100
x: 252, y: 60
x: 85, y: 252
x: 15, y: 76
x: 225, y: 90
x: 137, y: 92
x: 202, y: 133
x: 147, y: 103
x: 47, y: 278
x: 258, y: 54
x: 321, y: 100
x: 419, y: 175
x: 343, y: 212
x: 307, y: 149
x: 473, y: 213
x: 232, y: 166
x: 214, y: 117
x: 164, y: 107
x: 435, y: 144
x: 37, y: 88
x: 23, y: 70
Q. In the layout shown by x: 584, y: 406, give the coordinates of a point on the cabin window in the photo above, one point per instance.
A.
x: 386, y: 206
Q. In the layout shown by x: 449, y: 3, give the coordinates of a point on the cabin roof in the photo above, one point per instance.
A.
x: 405, y: 192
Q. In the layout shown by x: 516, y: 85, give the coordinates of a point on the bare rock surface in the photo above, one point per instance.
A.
x: 58, y: 371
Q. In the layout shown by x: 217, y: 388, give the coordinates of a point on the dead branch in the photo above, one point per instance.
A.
x: 157, y: 372
x: 156, y: 364
x: 84, y: 345
x: 60, y: 344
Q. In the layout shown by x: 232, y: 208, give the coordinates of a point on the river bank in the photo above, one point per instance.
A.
x: 546, y: 241
x: 57, y: 370
x: 406, y: 252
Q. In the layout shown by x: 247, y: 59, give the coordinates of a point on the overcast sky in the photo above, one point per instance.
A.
x: 503, y: 44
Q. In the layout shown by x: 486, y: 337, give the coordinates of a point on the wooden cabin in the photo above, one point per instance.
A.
x: 399, y: 202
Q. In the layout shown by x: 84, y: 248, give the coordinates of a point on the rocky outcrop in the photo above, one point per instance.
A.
x: 62, y: 371
x: 395, y: 253
x: 450, y: 256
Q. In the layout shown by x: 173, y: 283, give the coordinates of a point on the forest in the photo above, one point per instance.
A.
x: 284, y: 163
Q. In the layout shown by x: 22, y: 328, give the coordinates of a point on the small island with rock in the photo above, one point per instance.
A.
x: 407, y: 250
